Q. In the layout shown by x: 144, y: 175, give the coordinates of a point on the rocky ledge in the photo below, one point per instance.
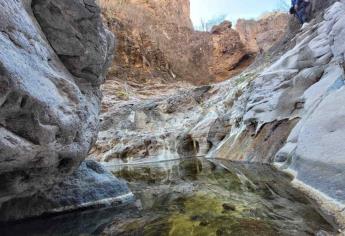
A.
x: 53, y: 57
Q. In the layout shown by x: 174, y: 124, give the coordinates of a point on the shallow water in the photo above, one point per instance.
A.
x: 193, y: 197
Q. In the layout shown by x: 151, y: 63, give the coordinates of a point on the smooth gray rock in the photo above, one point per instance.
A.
x: 90, y: 186
x: 48, y: 117
x: 75, y: 31
x: 305, y: 85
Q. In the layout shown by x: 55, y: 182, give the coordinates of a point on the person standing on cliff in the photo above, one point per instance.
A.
x: 301, y: 9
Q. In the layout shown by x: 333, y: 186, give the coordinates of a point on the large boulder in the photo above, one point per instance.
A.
x: 50, y: 72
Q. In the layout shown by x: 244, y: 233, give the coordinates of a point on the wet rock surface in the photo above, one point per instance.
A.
x: 195, y: 197
x: 49, y: 107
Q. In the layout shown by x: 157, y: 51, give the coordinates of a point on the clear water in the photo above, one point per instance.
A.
x: 193, y: 197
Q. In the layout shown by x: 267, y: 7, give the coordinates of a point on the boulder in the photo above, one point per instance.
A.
x: 224, y: 26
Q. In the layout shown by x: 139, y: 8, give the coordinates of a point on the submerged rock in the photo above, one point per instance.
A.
x: 229, y: 207
x: 90, y: 186
x: 219, y: 197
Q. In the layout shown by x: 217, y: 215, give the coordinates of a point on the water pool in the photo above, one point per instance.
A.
x: 193, y: 197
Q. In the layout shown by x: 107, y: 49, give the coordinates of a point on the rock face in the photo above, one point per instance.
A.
x: 286, y: 113
x: 229, y: 56
x: 156, y: 41
x: 291, y: 109
x: 150, y: 129
x: 173, y: 11
x: 147, y: 33
x: 52, y: 61
x: 77, y: 35
x: 218, y: 29
x: 260, y: 35
x: 304, y: 84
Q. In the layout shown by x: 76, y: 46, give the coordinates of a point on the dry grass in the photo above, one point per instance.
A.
x: 111, y: 4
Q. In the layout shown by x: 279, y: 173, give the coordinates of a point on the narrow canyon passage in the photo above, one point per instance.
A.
x: 123, y: 117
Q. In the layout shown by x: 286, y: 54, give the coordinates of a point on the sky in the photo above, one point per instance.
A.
x: 234, y: 9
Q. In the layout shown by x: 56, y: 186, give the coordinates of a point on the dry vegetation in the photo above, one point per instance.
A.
x: 112, y: 4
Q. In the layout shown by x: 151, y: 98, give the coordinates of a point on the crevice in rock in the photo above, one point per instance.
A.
x: 187, y: 146
x: 65, y: 165
x: 12, y: 39
x: 247, y: 58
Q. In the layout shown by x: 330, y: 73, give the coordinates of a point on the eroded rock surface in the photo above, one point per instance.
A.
x: 261, y: 35
x: 52, y: 62
x: 151, y: 128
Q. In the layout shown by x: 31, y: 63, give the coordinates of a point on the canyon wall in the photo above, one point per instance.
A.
x: 156, y: 41
x: 53, y: 59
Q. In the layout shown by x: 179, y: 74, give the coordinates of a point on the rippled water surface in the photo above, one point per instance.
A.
x: 193, y: 197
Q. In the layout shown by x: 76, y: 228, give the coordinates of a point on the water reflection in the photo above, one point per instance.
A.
x: 193, y: 197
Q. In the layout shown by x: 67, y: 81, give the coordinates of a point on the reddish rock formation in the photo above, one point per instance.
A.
x: 262, y: 34
x: 157, y: 42
x: 218, y: 29
x: 229, y: 55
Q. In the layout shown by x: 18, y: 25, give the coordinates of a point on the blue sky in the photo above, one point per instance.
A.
x: 234, y: 9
